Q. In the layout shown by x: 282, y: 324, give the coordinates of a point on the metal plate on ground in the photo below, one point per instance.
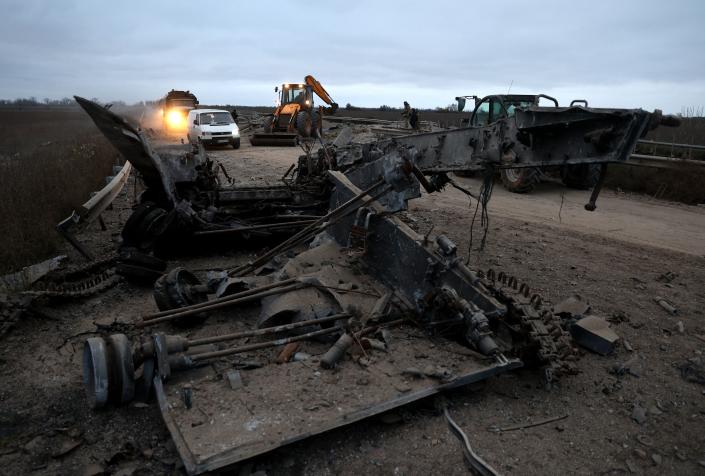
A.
x: 280, y: 404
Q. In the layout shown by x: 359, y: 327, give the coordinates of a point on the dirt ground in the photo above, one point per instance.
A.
x: 619, y: 258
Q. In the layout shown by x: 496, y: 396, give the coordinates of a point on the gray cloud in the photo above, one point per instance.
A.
x: 627, y: 53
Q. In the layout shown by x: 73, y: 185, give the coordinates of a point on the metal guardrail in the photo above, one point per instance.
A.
x: 92, y: 209
x: 660, y: 162
x: 663, y: 162
x: 672, y: 144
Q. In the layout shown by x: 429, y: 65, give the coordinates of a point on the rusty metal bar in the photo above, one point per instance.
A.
x: 220, y: 305
x: 261, y: 345
x: 268, y: 330
x: 268, y: 226
x: 230, y: 297
x: 286, y: 340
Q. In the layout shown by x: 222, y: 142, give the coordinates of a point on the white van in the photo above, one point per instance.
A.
x: 212, y: 127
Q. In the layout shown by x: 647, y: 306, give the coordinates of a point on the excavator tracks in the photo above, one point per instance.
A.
x: 538, y: 335
x: 80, y: 281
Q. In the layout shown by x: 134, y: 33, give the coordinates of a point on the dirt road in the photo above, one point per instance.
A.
x: 631, y: 218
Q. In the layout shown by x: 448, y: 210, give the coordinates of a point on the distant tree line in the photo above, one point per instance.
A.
x: 63, y: 102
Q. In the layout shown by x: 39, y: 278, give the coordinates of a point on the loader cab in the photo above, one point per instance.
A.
x: 493, y: 108
x: 300, y: 94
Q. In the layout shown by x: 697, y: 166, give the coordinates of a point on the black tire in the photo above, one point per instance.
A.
x: 521, y: 180
x: 152, y: 226
x: 129, y: 231
x: 174, y: 291
x: 315, y: 121
x: 268, y: 124
x: 236, y: 143
x: 304, y: 124
x: 582, y: 176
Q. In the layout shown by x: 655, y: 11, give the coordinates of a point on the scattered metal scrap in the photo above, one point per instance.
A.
x: 522, y: 426
x: 359, y: 252
x: 476, y: 464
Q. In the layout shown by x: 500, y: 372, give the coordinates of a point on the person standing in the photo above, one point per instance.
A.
x: 406, y: 115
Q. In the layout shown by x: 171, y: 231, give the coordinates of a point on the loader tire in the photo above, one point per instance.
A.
x: 268, y: 124
x: 315, y: 121
x: 581, y: 176
x: 521, y: 180
x: 304, y: 124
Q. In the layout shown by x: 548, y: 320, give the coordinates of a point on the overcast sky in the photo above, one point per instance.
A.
x: 645, y: 53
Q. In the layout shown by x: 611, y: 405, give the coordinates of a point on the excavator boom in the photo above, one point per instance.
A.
x: 322, y: 93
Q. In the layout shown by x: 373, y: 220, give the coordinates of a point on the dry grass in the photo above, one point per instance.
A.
x: 50, y: 162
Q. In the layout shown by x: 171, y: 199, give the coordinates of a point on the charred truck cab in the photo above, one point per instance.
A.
x: 175, y: 108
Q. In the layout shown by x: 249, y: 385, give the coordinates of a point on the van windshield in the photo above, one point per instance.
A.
x: 215, y: 118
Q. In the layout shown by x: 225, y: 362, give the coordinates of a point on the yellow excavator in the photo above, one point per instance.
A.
x: 296, y: 116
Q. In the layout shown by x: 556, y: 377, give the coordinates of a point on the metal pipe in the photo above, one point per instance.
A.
x: 301, y: 217
x: 261, y: 345
x: 267, y: 226
x: 267, y: 330
x: 191, y: 312
x: 230, y: 297
x: 287, y: 340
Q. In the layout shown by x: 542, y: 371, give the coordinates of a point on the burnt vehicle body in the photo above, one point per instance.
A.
x: 183, y: 195
x: 355, y: 272
x: 496, y: 108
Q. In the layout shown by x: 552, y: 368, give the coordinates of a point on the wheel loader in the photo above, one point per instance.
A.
x: 296, y: 116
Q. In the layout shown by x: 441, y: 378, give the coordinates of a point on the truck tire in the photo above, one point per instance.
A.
x: 304, y: 124
x: 236, y: 143
x: 521, y: 180
x: 268, y: 124
x: 582, y: 176
x: 130, y: 233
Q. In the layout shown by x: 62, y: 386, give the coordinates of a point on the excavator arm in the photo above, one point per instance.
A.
x: 322, y: 93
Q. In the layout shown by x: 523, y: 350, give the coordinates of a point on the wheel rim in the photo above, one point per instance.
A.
x: 513, y: 175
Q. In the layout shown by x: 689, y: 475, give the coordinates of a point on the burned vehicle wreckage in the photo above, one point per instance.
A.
x: 362, y: 290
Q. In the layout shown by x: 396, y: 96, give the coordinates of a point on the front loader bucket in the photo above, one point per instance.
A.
x: 284, y: 139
